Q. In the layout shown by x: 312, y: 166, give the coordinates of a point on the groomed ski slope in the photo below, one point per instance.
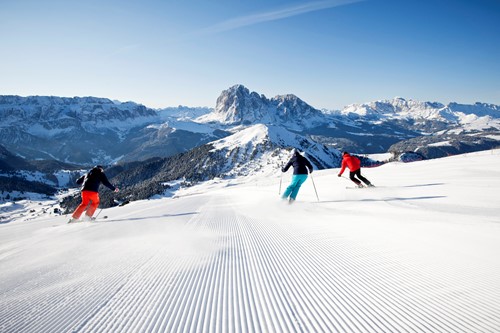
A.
x: 420, y: 253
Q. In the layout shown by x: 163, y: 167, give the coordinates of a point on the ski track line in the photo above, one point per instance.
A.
x: 294, y: 305
x: 136, y: 295
x: 298, y: 272
x: 56, y: 316
x: 365, y: 278
x: 304, y: 282
x: 345, y: 312
x: 30, y: 309
x: 488, y: 302
x: 157, y: 321
x: 425, y: 292
x: 377, y: 287
x: 272, y: 292
x: 480, y: 309
x: 105, y: 319
x: 28, y: 300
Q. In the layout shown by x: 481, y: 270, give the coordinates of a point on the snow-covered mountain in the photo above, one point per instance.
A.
x: 92, y: 130
x: 429, y: 128
x: 238, y: 106
x: 479, y: 116
x: 43, y: 113
x: 395, y: 108
x: 252, y: 149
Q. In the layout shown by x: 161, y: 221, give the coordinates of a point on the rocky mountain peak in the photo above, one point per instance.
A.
x: 238, y: 106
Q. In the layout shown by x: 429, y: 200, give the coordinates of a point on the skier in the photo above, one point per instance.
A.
x: 90, y: 192
x: 301, y: 168
x: 354, y: 165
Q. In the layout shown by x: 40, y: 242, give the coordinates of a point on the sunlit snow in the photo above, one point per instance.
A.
x: 419, y: 253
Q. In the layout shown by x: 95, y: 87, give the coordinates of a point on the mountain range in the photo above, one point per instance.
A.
x: 89, y: 130
x: 155, y: 148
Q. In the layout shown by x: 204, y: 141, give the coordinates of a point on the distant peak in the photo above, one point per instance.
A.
x: 239, y: 87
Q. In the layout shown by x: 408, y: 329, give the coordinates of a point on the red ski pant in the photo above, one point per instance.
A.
x: 87, y: 197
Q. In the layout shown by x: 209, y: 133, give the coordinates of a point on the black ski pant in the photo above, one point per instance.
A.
x: 357, y: 173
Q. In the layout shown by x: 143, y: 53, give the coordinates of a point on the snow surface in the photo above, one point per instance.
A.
x: 419, y: 253
x: 383, y: 157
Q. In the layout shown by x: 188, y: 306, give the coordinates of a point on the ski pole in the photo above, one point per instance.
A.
x: 98, y: 214
x: 314, y: 186
x: 281, y: 179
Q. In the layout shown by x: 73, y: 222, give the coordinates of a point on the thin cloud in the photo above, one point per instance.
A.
x: 124, y: 49
x: 275, y: 15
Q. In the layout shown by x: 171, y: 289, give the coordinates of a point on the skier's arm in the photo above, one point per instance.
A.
x: 79, y: 181
x: 105, y: 182
x: 309, y: 166
x: 343, y: 168
x: 287, y: 166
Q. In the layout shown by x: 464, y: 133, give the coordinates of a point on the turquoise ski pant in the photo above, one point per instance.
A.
x: 292, y: 189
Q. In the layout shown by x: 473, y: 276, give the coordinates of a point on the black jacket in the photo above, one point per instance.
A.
x: 93, y: 179
x: 301, y: 165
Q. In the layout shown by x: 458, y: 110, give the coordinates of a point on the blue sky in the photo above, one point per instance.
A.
x: 330, y: 53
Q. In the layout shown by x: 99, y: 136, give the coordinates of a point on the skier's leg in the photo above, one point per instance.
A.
x: 300, y: 180
x: 94, y: 197
x: 352, y: 175
x: 81, y: 208
x: 363, y: 179
x: 287, y: 192
x: 290, y: 187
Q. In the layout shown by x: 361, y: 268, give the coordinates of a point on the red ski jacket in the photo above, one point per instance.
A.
x: 352, y: 162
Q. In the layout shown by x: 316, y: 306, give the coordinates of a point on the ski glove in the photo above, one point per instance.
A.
x: 339, y: 175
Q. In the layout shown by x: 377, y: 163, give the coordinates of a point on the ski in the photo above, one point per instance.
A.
x: 359, y: 188
x: 93, y: 220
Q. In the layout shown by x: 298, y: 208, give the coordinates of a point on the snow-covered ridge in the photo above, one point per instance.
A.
x: 94, y: 130
x: 411, y: 109
x: 254, y: 134
x: 264, y: 148
x: 47, y: 113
